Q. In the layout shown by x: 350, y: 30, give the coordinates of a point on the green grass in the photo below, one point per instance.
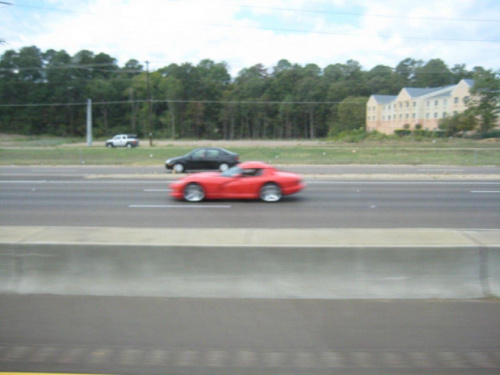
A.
x: 474, y: 153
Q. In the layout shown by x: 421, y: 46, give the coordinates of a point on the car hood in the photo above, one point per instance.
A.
x: 177, y: 158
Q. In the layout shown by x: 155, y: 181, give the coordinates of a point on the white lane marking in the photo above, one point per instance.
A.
x: 312, y: 182
x: 485, y: 191
x: 23, y: 182
x: 353, y: 182
x: 177, y: 206
x: 441, y: 170
x: 82, y: 182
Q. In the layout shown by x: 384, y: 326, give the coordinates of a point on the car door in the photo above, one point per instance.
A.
x: 121, y: 140
x: 245, y: 185
x: 197, y: 159
x: 212, y: 159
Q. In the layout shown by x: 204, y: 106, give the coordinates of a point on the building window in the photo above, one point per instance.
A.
x: 436, y: 103
x: 414, y: 115
x: 445, y: 101
x: 428, y: 103
x: 414, y: 104
x: 455, y: 100
x: 435, y: 115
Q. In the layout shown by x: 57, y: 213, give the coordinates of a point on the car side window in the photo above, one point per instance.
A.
x: 253, y: 172
x: 212, y: 154
x: 200, y: 154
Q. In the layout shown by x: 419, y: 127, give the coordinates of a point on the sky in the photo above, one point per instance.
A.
x: 243, y: 33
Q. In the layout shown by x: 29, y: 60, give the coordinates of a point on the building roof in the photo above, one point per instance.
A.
x: 415, y: 92
x: 384, y: 99
x: 470, y: 82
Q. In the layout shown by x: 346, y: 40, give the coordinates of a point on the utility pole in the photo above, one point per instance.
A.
x: 89, y: 122
x: 149, y: 106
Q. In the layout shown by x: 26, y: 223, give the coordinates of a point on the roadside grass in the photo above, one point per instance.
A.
x: 47, y: 151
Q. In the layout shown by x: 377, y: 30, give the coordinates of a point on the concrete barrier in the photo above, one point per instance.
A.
x: 251, y: 272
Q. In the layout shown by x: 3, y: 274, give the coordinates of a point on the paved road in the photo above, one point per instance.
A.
x: 334, y: 170
x: 66, y: 196
x: 250, y: 336
x: 220, y: 336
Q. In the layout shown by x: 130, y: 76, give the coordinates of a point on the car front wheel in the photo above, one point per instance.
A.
x: 178, y: 168
x: 270, y: 193
x: 194, y: 193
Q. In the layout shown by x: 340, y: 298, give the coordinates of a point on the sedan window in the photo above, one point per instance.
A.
x: 212, y: 154
x: 199, y: 154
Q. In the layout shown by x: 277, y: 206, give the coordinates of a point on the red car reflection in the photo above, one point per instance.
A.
x: 248, y: 180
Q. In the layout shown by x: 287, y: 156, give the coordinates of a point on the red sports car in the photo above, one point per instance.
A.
x: 248, y: 180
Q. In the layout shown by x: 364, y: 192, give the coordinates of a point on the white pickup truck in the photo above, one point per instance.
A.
x: 123, y: 140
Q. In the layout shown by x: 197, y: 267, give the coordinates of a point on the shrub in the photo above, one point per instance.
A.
x: 402, y: 132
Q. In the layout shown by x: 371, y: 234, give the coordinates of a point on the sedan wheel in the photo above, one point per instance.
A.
x: 178, y: 168
x: 194, y: 193
x: 223, y: 167
x: 270, y: 193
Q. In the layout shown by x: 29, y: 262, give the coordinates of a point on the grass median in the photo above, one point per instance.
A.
x: 315, y: 153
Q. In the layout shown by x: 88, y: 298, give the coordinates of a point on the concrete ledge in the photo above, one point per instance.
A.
x: 251, y: 263
x: 421, y: 237
x: 250, y: 272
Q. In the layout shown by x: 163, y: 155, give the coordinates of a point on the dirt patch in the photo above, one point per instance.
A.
x: 219, y: 143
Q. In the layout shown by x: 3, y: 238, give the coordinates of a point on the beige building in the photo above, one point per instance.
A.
x: 413, y: 106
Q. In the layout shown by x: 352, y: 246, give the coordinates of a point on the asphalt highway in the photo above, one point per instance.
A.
x: 98, y: 196
x: 224, y: 336
x: 148, y: 335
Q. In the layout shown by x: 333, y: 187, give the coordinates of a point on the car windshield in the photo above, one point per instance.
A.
x: 231, y: 172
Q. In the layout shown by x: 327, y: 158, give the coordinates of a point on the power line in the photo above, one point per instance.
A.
x: 301, y: 30
x: 295, y: 10
x: 66, y: 66
x: 166, y: 101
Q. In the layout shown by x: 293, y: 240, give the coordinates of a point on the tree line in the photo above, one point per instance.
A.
x: 46, y: 93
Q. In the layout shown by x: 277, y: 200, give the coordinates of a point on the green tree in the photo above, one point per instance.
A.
x: 458, y: 123
x: 485, y: 101
x: 406, y: 70
x: 434, y: 73
x: 351, y: 115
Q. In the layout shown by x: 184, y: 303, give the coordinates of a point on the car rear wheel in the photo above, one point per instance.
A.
x: 223, y: 167
x: 178, y: 168
x: 270, y: 193
x: 194, y: 193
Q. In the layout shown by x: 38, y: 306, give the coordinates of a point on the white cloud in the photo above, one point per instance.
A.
x: 174, y: 31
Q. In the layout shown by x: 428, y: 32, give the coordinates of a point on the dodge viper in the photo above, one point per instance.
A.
x: 248, y: 180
